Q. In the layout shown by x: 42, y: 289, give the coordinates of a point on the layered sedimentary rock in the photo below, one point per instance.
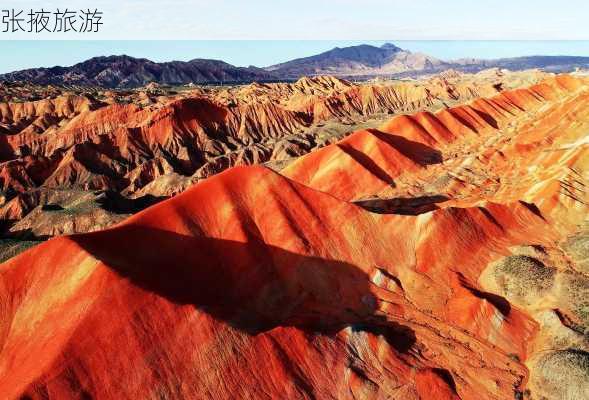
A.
x: 263, y: 299
x: 152, y: 144
x: 442, y: 256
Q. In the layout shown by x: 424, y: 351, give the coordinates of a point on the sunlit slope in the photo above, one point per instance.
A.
x: 254, y: 284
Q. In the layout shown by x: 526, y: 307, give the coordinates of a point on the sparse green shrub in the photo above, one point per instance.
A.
x: 523, y: 278
x: 576, y: 296
x: 12, y: 247
x: 577, y: 247
x: 563, y: 375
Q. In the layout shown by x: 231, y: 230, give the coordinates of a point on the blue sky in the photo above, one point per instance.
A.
x: 296, y: 28
x: 326, y: 19
x: 29, y: 54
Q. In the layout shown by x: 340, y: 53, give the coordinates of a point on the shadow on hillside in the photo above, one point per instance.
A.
x: 456, y: 115
x: 6, y: 151
x: 418, y: 152
x: 116, y: 203
x: 252, y: 286
x: 366, y: 162
x: 403, y: 205
x: 487, y: 118
x: 24, y: 234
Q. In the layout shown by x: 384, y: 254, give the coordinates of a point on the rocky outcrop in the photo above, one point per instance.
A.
x: 440, y: 256
x: 152, y: 143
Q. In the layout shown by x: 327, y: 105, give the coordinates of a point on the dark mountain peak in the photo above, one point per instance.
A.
x: 391, y: 47
x: 123, y: 71
x: 114, y: 59
x: 360, y: 61
x: 348, y: 61
x: 360, y: 47
x: 359, y: 53
x: 209, y: 62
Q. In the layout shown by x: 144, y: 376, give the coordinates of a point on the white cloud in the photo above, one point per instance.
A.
x: 322, y: 19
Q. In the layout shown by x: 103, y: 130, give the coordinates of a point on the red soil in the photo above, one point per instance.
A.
x: 254, y: 284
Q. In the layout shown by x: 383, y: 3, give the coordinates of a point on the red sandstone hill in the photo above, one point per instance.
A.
x: 458, y: 272
x: 366, y: 162
x: 216, y: 284
x: 159, y: 145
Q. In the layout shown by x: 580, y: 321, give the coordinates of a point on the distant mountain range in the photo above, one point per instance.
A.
x: 363, y: 61
x: 126, y: 72
x: 390, y: 60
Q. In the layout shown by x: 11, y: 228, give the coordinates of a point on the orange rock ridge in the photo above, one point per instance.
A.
x: 257, y: 284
